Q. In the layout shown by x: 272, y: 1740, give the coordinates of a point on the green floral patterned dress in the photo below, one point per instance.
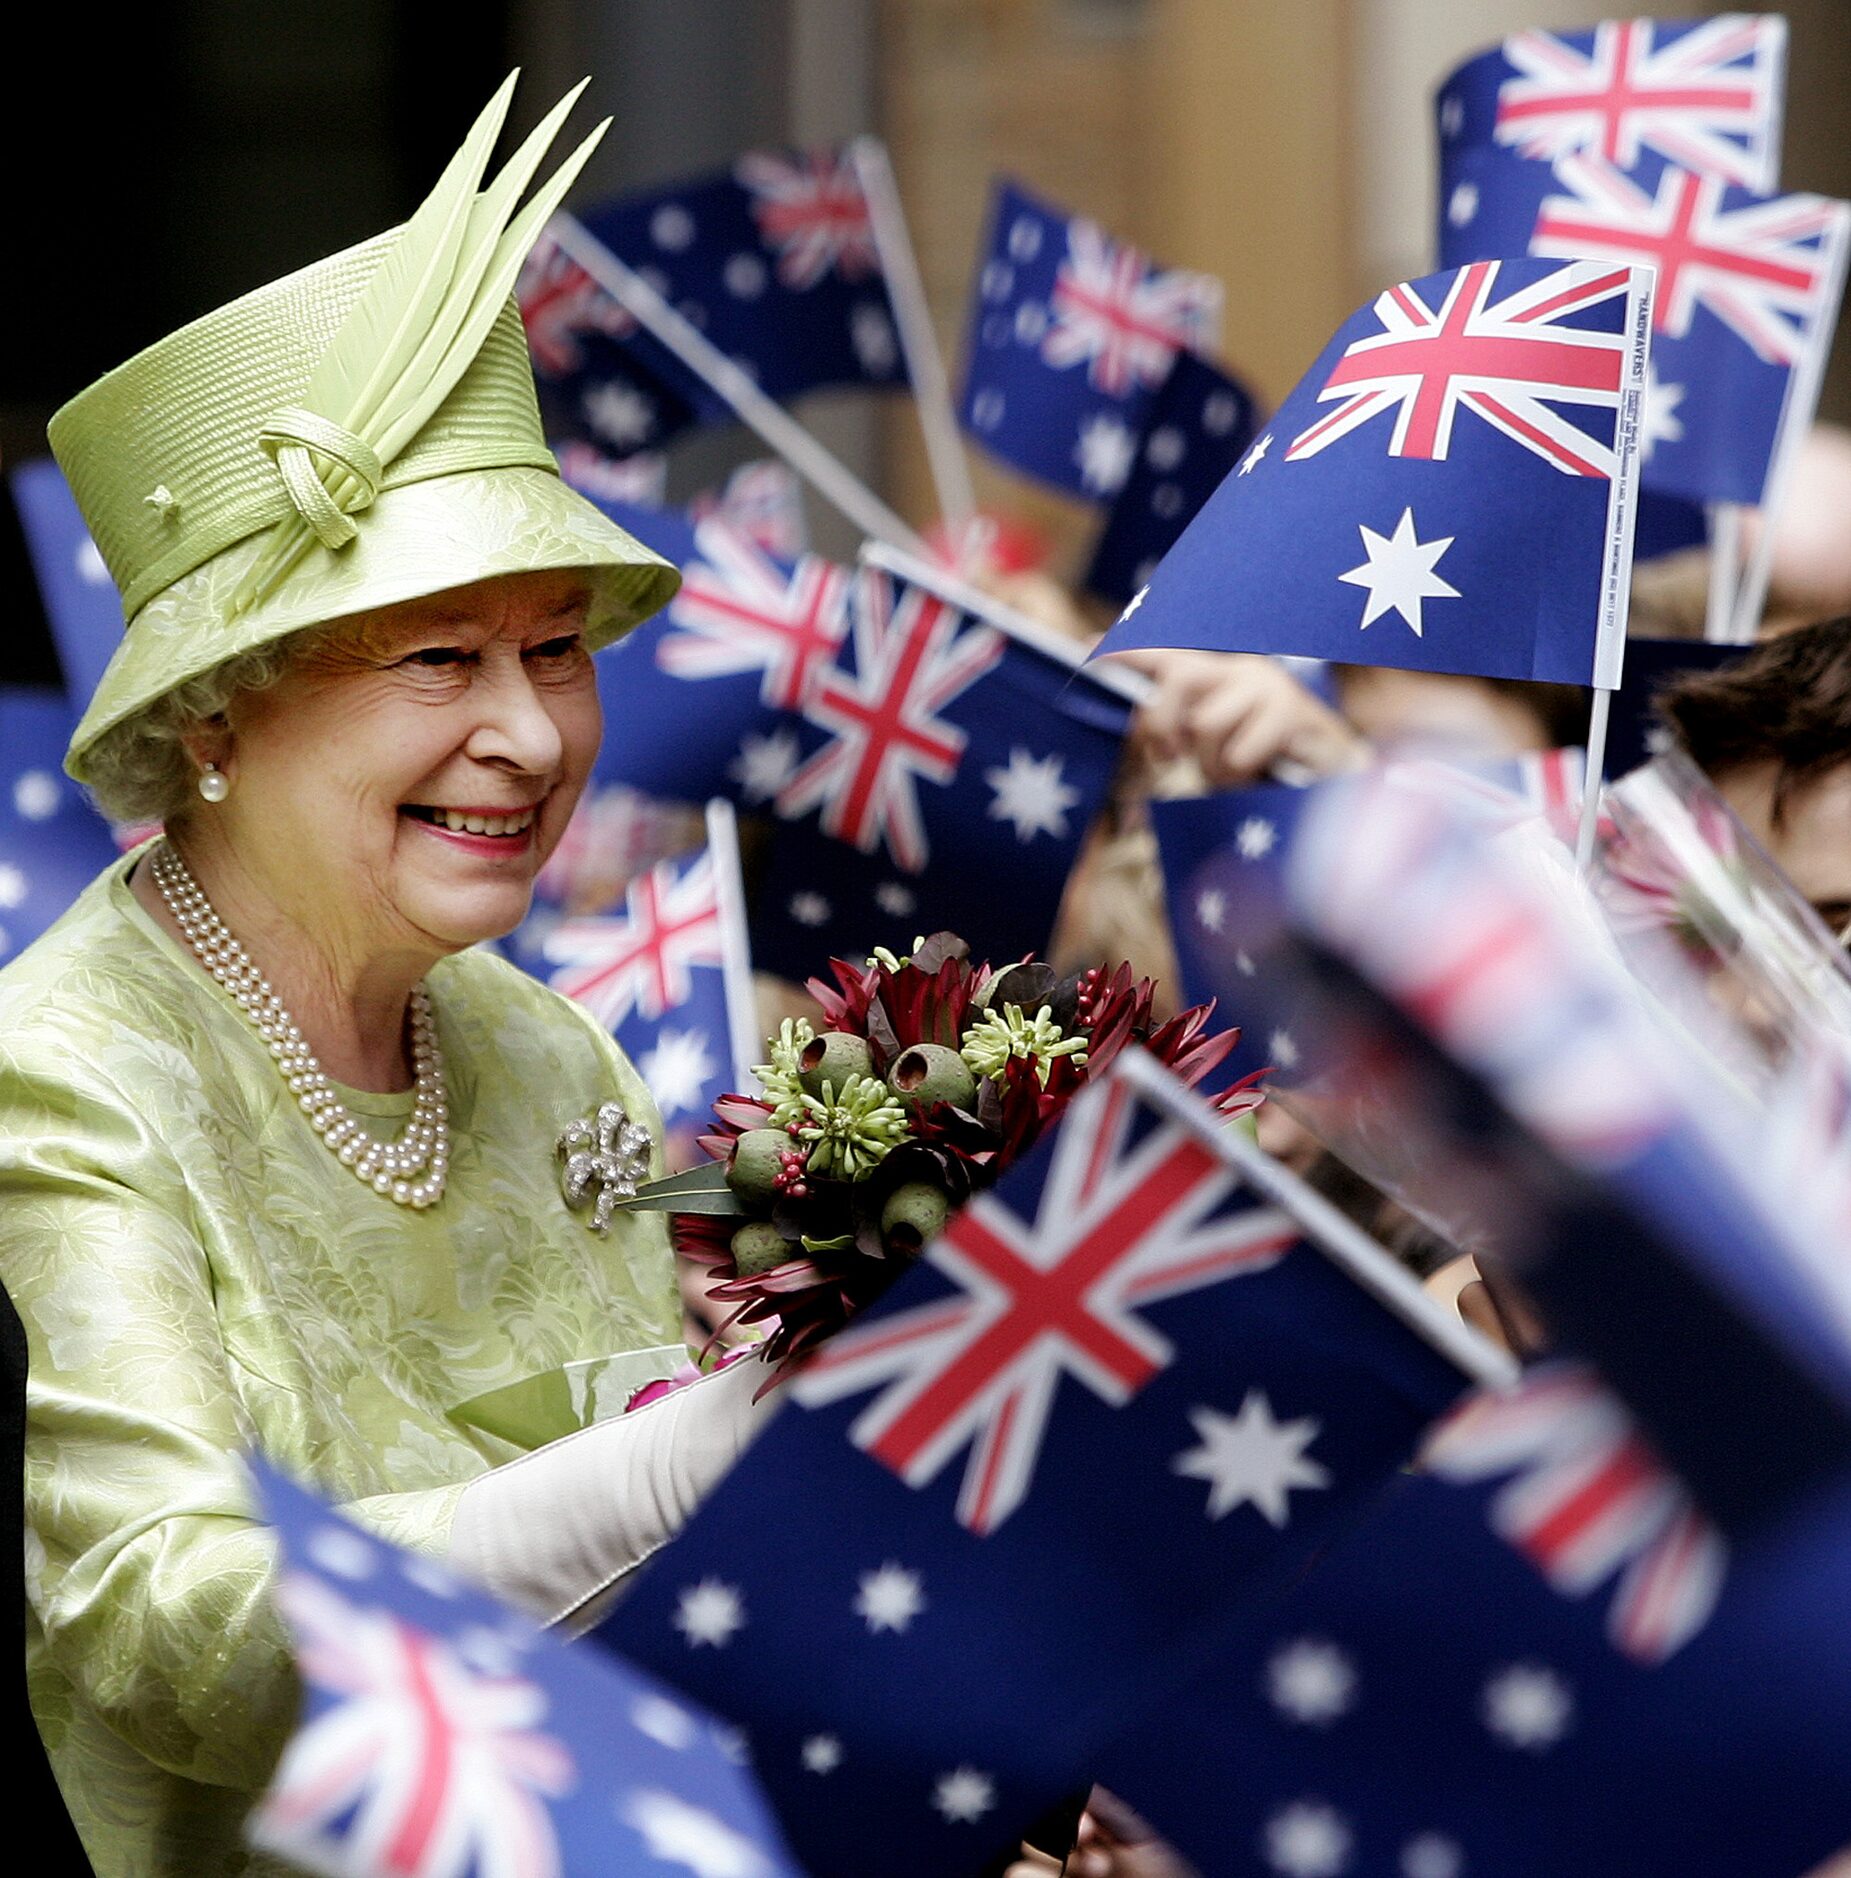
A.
x: 198, y: 1276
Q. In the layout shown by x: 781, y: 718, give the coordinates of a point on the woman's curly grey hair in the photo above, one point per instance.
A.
x: 140, y: 771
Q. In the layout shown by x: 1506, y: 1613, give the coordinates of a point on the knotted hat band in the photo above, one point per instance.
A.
x: 290, y: 436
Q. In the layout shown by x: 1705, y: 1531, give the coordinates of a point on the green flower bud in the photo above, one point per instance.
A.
x: 758, y: 1159
x: 758, y: 1246
x: 833, y: 1058
x: 915, y: 1212
x: 930, y: 1072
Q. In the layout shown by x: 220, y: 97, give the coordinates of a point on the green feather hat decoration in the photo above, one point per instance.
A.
x: 358, y: 434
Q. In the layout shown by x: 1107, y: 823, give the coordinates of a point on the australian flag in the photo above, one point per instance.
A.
x: 1450, y: 488
x: 1120, y: 1394
x: 1706, y: 95
x: 1199, y: 425
x: 52, y: 842
x: 773, y: 259
x: 1071, y: 334
x: 1746, y: 301
x: 82, y: 606
x: 1537, y: 1659
x: 443, y: 1734
x: 668, y: 973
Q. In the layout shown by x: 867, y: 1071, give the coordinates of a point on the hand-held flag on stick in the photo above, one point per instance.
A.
x: 81, y: 604
x: 1450, y: 488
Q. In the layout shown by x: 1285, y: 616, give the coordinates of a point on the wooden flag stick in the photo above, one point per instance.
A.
x: 1590, y: 781
x: 1725, y: 571
x: 831, y: 478
x: 925, y: 366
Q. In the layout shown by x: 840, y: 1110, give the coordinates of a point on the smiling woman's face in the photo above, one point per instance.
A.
x: 399, y: 788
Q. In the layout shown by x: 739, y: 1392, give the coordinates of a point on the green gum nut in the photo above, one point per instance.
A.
x: 931, y: 1072
x: 915, y: 1212
x: 758, y: 1246
x: 833, y: 1058
x: 758, y: 1160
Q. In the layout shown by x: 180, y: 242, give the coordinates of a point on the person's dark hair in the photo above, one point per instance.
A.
x: 1788, y: 702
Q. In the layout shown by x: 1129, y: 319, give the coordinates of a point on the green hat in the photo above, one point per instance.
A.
x: 358, y: 434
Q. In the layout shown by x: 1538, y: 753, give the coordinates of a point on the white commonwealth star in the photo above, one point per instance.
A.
x: 1251, y: 1459
x: 764, y: 763
x: 809, y: 909
x: 1462, y: 205
x: 36, y: 795
x: 709, y: 1613
x: 1256, y: 837
x: 1661, y: 423
x: 1307, y: 1840
x: 1251, y: 461
x: 964, y: 1796
x: 1211, y: 909
x: 1399, y: 572
x: 677, y: 1068
x: 677, y: 1833
x: 13, y: 884
x: 1104, y: 453
x: 1528, y: 1706
x: 620, y: 414
x: 1432, y: 1855
x: 1029, y: 794
x: 671, y: 227
x: 822, y: 1754
x: 895, y: 899
x: 889, y: 1599
x: 1165, y: 448
x: 1311, y: 1681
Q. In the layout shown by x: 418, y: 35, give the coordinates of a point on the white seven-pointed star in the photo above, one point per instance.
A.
x: 822, y: 1754
x: 891, y: 897
x: 671, y: 227
x: 809, y: 909
x: 870, y: 331
x: 1251, y: 1459
x: 964, y: 1796
x: 36, y: 794
x: 620, y: 414
x: 1030, y: 794
x: 1104, y: 453
x: 1661, y: 422
x: 677, y: 1833
x: 709, y: 1612
x: 1528, y: 1706
x: 764, y: 763
x: 1432, y: 1855
x: 1311, y: 1681
x: 1250, y: 462
x: 889, y: 1599
x: 13, y: 884
x: 1255, y: 838
x: 1462, y: 205
x: 677, y: 1068
x: 1307, y: 1840
x: 1399, y: 572
x: 1211, y: 909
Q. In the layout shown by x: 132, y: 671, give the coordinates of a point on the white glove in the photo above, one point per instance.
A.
x: 554, y: 1531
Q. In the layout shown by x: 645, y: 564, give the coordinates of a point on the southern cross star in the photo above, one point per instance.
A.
x: 677, y: 1069
x: 1311, y: 1681
x: 1528, y: 1706
x: 889, y: 1599
x: 1661, y: 422
x: 1251, y: 1459
x: 1399, y: 572
x: 1105, y: 453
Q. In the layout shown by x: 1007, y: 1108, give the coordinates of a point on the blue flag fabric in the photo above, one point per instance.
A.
x: 82, y: 606
x: 1427, y: 1706
x: 1071, y: 334
x: 1706, y: 95
x: 1747, y: 294
x: 52, y: 842
x: 1200, y: 424
x: 1635, y: 733
x: 773, y: 260
x: 913, y: 1558
x: 1450, y: 488
x: 443, y: 1734
x: 1666, y: 524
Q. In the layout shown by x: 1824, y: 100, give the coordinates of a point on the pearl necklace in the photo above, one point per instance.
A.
x: 394, y: 1168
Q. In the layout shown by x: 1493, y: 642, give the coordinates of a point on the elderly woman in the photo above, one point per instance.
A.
x: 280, y: 1166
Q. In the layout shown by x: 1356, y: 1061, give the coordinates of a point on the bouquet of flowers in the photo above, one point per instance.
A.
x: 930, y: 1076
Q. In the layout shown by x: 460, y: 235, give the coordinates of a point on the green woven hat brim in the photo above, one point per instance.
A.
x: 419, y: 539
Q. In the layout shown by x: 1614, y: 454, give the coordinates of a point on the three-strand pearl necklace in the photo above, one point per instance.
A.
x: 410, y: 1170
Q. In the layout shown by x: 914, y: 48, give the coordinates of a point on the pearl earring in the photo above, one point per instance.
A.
x: 214, y: 784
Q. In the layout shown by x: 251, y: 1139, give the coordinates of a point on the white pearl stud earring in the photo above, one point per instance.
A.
x: 214, y: 784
